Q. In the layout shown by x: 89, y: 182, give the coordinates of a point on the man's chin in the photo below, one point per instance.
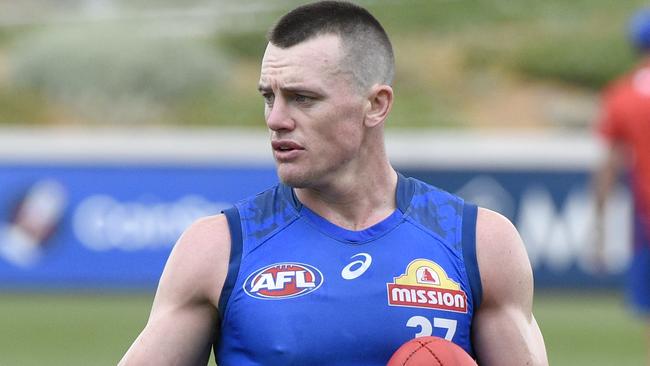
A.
x: 291, y: 179
x: 292, y: 182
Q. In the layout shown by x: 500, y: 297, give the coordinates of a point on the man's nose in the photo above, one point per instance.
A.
x: 278, y: 116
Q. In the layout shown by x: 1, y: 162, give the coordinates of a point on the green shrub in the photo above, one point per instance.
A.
x: 248, y: 44
x: 111, y: 75
x: 575, y: 59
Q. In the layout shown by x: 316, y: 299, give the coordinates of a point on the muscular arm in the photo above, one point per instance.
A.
x: 182, y: 323
x: 504, y: 329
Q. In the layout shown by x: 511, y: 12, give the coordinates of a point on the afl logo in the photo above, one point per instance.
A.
x: 283, y: 281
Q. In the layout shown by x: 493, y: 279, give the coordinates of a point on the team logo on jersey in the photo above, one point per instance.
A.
x: 283, y: 281
x: 425, y: 285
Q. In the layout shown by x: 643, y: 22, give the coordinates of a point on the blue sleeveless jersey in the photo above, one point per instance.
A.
x: 303, y: 291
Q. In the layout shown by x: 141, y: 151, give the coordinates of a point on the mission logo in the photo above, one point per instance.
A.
x: 283, y: 281
x: 426, y: 285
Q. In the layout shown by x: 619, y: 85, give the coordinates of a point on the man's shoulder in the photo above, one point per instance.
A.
x: 264, y: 197
x: 431, y: 201
x: 492, y: 223
x: 495, y: 233
x: 206, y: 226
x: 266, y: 212
x: 209, y: 235
x: 434, y: 209
x: 500, y: 252
x: 422, y: 188
x: 199, y: 261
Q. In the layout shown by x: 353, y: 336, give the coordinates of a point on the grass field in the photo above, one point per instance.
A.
x: 589, y: 329
x: 47, y: 329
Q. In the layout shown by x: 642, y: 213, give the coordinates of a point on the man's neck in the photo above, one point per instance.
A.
x: 356, y: 204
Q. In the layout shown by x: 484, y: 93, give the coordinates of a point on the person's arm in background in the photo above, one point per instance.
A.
x: 183, y: 321
x: 604, y: 181
x: 504, y: 331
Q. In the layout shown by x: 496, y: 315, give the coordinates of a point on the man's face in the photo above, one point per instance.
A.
x: 313, y: 111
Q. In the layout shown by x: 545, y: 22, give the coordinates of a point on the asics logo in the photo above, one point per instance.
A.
x: 360, y: 266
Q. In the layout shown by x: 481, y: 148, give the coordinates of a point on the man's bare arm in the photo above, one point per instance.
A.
x: 504, y: 330
x: 182, y: 324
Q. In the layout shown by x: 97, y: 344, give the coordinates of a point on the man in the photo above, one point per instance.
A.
x: 345, y: 260
x: 625, y: 126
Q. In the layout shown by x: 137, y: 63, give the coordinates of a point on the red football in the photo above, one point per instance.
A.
x: 430, y: 351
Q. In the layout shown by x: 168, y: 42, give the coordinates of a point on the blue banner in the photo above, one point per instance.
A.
x: 76, y: 226
x: 88, y: 227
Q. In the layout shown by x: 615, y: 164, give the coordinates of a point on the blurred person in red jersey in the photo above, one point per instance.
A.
x: 624, y: 124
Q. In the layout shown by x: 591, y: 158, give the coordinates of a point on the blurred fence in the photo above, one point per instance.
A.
x: 98, y: 209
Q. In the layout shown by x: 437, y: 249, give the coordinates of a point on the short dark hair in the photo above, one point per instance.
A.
x: 368, y: 53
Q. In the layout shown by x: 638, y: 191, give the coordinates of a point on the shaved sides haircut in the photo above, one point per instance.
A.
x: 367, y: 51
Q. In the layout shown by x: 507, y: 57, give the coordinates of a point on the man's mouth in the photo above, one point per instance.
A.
x: 285, y: 145
x: 285, y: 151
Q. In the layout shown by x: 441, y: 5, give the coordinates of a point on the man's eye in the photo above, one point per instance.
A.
x: 268, y: 98
x: 301, y: 98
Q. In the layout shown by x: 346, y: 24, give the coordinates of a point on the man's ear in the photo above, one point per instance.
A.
x: 380, y: 103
